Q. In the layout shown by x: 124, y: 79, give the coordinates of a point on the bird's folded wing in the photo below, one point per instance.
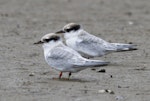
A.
x: 65, y: 55
x: 87, y: 38
x: 90, y: 41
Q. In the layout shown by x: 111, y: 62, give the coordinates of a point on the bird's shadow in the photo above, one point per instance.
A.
x: 81, y: 80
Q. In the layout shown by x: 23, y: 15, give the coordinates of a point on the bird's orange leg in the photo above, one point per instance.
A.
x: 60, y: 75
x: 69, y: 75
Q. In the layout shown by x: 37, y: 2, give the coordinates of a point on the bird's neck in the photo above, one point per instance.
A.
x: 49, y: 46
x: 72, y: 34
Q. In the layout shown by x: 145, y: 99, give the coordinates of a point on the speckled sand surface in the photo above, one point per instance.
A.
x: 23, y: 22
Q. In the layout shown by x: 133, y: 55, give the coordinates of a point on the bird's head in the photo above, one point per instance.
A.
x: 49, y: 39
x: 71, y: 27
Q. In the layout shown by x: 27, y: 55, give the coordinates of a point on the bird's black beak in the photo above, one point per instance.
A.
x: 59, y: 32
x: 39, y: 42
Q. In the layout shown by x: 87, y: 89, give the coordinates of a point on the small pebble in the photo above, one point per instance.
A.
x: 119, y: 86
x: 106, y: 91
x: 130, y: 23
x: 31, y: 74
x: 93, y: 69
x: 129, y: 13
x: 130, y: 42
x: 119, y: 98
x: 110, y: 91
x: 102, y: 71
x: 102, y: 91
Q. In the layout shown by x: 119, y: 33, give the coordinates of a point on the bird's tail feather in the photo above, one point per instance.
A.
x: 124, y: 47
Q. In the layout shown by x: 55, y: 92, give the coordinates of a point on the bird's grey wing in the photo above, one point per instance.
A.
x: 85, y: 36
x: 63, y: 56
x: 93, y: 43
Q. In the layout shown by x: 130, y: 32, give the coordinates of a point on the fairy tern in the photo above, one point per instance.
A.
x: 64, y: 58
x: 89, y: 45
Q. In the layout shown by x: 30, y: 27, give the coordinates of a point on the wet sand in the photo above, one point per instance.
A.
x: 24, y: 74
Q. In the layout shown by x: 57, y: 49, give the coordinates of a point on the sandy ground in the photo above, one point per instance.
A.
x: 23, y: 22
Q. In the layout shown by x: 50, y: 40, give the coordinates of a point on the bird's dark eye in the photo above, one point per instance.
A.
x: 72, y: 28
x: 46, y: 40
x: 53, y: 38
x: 68, y: 30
